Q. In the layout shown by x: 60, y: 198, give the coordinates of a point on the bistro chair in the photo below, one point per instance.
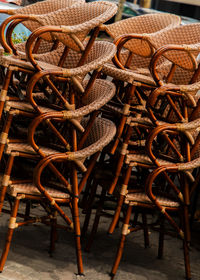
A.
x: 169, y: 193
x: 101, y: 133
x: 100, y: 93
x: 134, y: 57
x: 72, y: 37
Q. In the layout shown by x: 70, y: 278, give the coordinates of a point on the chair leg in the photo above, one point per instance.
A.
x: 5, y: 180
x: 96, y: 220
x: 4, y: 133
x: 88, y: 209
x: 75, y: 212
x: 116, y: 215
x: 53, y: 235
x: 121, y: 244
x: 11, y: 227
x: 4, y: 90
x: 186, y: 242
x: 123, y: 192
x: 145, y: 229
x: 161, y: 238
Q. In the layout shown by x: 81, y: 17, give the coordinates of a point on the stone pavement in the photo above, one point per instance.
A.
x: 29, y: 259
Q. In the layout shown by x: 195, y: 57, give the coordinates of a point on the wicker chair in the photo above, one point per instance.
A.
x: 135, y: 59
x: 38, y: 8
x: 170, y: 195
x: 100, y: 93
x: 99, y: 54
x: 101, y: 134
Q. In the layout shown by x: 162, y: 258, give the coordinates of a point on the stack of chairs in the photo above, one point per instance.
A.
x: 157, y: 143
x: 50, y: 111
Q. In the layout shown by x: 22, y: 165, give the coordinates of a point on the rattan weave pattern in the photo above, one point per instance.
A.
x: 186, y: 36
x: 133, y: 198
x: 150, y: 23
x: 15, y: 189
x: 43, y: 8
x: 78, y: 20
x: 100, y: 53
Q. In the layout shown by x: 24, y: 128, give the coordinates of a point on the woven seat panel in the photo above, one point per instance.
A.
x: 100, y: 53
x: 138, y: 25
x: 43, y: 8
x: 134, y: 198
x: 182, y: 35
x: 26, y: 148
x: 127, y: 75
x: 44, y: 47
x: 25, y: 106
x: 15, y: 61
x: 15, y: 189
x: 141, y: 158
x: 101, y: 133
x: 79, y: 20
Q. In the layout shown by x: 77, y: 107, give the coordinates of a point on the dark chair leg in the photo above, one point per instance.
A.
x: 5, y: 180
x: 88, y: 209
x: 11, y: 227
x: 121, y: 244
x: 145, y: 229
x: 96, y: 220
x: 161, y: 238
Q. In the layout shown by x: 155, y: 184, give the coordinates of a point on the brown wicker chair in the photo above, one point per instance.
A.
x: 94, y: 13
x: 99, y: 54
x: 168, y: 193
x: 101, y: 133
x: 135, y: 58
x: 100, y: 93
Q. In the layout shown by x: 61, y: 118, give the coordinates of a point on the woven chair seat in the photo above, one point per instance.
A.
x: 27, y: 149
x: 142, y: 198
x: 25, y: 106
x: 99, y: 54
x: 128, y: 75
x: 30, y: 189
x: 142, y: 158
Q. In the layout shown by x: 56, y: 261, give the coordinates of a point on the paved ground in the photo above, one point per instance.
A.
x: 29, y: 259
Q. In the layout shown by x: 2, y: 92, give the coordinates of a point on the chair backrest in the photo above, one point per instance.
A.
x: 185, y: 36
x: 42, y: 8
x: 78, y: 21
x: 145, y: 24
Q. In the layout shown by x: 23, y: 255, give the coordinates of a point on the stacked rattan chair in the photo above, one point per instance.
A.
x: 131, y: 76
x: 174, y: 101
x: 57, y: 96
x: 101, y: 133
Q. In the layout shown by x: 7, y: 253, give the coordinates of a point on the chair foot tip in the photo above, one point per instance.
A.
x: 112, y: 275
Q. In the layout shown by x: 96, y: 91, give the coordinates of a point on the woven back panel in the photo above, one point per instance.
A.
x: 181, y: 35
x: 101, y: 133
x: 42, y: 8
x: 99, y: 54
x: 142, y: 24
x: 79, y: 20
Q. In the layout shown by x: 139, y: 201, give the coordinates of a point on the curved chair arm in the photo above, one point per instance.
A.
x: 122, y: 40
x: 149, y: 191
x: 165, y: 50
x: 81, y: 70
x: 36, y: 179
x: 8, y: 11
x: 5, y: 24
x: 184, y: 128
